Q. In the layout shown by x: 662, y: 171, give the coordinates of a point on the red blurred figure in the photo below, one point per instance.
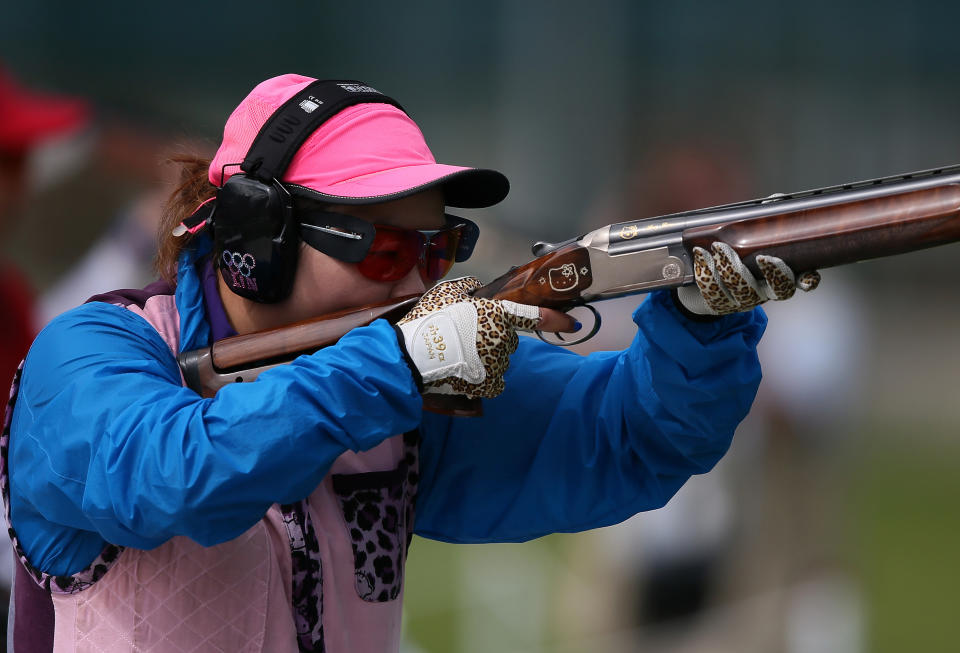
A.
x: 27, y: 119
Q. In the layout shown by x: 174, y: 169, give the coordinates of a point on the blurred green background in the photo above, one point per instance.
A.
x: 831, y: 526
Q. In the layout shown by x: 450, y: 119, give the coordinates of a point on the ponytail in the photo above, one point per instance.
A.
x: 194, y: 189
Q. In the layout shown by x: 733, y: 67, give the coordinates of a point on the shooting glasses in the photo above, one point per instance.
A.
x: 388, y: 253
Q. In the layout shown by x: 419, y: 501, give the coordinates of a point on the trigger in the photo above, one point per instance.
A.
x: 563, y: 342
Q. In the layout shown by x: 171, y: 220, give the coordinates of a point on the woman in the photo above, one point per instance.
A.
x: 276, y: 516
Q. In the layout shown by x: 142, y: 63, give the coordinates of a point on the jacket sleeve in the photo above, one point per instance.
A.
x: 105, y: 439
x: 578, y: 442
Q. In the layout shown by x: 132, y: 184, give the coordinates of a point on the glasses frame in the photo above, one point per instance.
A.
x: 348, y: 238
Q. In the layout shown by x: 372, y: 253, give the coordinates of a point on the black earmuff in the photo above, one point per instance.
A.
x: 256, y: 236
x: 256, y: 241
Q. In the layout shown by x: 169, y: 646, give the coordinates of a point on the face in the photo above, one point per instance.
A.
x: 324, y: 285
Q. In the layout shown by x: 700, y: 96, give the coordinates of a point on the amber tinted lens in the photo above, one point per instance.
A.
x: 441, y: 253
x: 393, y: 253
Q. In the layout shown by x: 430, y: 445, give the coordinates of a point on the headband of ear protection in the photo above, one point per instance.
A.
x: 255, y: 234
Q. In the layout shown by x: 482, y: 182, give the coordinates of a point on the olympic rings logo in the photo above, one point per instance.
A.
x: 241, y: 267
x: 239, y: 263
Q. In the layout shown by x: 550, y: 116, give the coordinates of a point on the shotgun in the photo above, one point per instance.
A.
x: 809, y: 230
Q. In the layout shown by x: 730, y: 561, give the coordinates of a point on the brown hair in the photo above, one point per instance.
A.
x: 194, y: 188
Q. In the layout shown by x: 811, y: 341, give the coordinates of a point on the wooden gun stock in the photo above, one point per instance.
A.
x: 241, y: 359
x: 536, y: 282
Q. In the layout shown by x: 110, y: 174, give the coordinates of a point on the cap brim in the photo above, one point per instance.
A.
x: 467, y: 188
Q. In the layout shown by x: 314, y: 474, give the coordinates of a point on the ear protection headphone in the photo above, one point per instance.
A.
x: 255, y: 234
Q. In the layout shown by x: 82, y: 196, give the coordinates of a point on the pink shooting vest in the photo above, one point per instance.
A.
x: 323, y: 574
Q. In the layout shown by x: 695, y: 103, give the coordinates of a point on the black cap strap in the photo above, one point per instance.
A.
x: 290, y: 125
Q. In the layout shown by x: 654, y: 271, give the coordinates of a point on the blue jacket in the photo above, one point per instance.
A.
x: 107, y: 446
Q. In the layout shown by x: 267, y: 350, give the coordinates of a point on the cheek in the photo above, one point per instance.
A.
x: 324, y: 285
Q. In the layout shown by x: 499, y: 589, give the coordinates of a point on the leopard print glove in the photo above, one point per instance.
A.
x: 725, y: 285
x: 461, y: 344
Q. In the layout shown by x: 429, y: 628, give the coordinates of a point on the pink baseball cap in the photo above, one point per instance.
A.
x: 366, y: 153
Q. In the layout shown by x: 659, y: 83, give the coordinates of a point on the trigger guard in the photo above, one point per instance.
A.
x: 563, y: 343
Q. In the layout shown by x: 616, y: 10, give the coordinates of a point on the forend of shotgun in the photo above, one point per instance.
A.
x: 809, y: 230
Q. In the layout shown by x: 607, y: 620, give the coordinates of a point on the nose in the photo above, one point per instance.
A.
x: 412, y: 284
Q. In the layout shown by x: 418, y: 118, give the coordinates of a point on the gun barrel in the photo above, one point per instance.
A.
x: 663, y: 230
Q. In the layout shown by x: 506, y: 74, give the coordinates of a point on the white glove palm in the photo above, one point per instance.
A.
x: 461, y: 344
